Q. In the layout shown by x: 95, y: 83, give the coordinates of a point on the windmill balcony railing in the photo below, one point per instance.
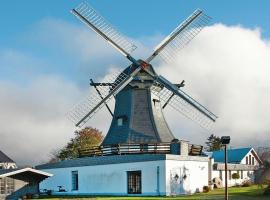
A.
x: 124, y: 149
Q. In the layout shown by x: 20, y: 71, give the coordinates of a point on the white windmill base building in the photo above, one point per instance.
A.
x: 172, y: 170
x: 147, y: 174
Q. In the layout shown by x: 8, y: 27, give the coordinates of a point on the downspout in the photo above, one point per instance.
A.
x: 158, y: 184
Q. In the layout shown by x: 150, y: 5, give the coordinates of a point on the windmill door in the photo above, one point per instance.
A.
x: 134, y: 180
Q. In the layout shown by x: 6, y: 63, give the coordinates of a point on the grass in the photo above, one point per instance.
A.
x: 235, y: 193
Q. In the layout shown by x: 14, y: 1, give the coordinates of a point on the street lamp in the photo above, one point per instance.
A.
x: 225, y: 140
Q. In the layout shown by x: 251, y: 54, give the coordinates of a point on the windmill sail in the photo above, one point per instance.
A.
x: 183, y: 103
x: 84, y: 110
x: 95, y: 21
x: 180, y: 36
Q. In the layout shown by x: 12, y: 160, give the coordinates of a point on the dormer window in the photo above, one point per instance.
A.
x: 121, y: 120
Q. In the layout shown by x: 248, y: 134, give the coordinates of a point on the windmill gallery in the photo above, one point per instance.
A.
x: 139, y: 155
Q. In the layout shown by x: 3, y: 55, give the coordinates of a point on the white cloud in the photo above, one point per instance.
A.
x: 227, y: 69
x: 32, y: 117
x: 76, y: 42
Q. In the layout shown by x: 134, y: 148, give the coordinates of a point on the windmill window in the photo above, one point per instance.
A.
x: 121, y: 120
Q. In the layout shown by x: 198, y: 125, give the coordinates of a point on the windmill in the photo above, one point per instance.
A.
x: 140, y: 93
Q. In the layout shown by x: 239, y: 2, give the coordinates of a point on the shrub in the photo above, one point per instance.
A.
x: 267, y: 189
x: 235, y: 176
x: 206, y: 189
x: 246, y: 183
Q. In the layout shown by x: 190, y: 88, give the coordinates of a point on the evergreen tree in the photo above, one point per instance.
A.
x: 213, y: 143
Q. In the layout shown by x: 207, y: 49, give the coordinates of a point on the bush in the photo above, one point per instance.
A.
x: 235, y: 176
x: 246, y: 183
x: 267, y: 189
x: 206, y: 189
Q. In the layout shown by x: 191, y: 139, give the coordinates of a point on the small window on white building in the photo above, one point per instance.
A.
x: 230, y: 175
x: 241, y: 175
x: 246, y: 160
x: 249, y: 162
x: 253, y: 161
x: 75, y: 180
x: 220, y: 174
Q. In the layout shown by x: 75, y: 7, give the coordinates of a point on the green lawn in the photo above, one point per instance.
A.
x: 236, y: 193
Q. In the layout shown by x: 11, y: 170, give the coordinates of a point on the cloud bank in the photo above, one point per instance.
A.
x: 225, y: 68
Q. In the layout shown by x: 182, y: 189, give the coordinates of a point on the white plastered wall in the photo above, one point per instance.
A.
x: 110, y: 179
x: 247, y: 176
x: 186, y: 177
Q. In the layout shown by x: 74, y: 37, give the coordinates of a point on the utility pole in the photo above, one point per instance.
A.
x: 226, y: 172
x: 225, y: 140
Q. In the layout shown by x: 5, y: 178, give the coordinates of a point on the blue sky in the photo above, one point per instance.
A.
x: 47, y: 57
x: 136, y: 19
x: 144, y: 17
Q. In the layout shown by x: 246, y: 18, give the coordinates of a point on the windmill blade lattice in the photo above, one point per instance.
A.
x: 184, y: 107
x: 180, y: 36
x: 95, y: 21
x: 85, y: 109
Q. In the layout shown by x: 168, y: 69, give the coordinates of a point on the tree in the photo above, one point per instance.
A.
x: 263, y: 174
x: 213, y: 143
x: 85, y: 138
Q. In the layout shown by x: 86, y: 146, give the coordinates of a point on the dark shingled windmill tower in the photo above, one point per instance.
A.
x: 140, y: 93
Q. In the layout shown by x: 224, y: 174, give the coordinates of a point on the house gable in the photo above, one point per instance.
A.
x: 251, y: 158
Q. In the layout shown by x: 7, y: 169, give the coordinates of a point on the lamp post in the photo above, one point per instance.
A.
x: 225, y: 140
